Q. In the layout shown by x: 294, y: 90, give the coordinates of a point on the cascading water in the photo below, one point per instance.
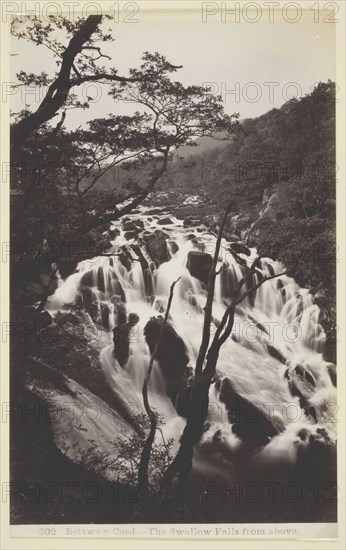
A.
x: 273, y: 358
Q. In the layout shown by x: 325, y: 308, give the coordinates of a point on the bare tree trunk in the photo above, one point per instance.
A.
x: 59, y: 89
x: 143, y: 479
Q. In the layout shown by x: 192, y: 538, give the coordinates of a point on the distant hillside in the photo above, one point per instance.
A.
x: 279, y: 175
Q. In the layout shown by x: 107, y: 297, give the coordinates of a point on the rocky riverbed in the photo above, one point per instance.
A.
x: 73, y: 365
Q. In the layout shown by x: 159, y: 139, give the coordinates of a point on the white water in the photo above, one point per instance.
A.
x: 288, y: 314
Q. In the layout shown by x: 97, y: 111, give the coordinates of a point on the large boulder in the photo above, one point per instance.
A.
x: 125, y: 258
x: 191, y: 221
x: 156, y: 247
x: 249, y: 422
x: 129, y: 226
x: 112, y: 232
x: 301, y: 383
x: 199, y: 265
x: 164, y: 221
x: 121, y: 339
x: 130, y: 235
x: 174, y: 247
x: 86, y: 299
x: 171, y: 356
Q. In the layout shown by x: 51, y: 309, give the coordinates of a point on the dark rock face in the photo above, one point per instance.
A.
x: 250, y: 423
x: 191, y: 221
x: 85, y: 299
x: 121, y: 339
x: 129, y: 226
x: 274, y: 352
x: 155, y: 211
x: 120, y: 310
x: 174, y: 247
x: 44, y: 319
x: 104, y: 316
x: 332, y: 373
x: 301, y: 384
x: 171, y: 356
x: 130, y: 235
x: 125, y: 258
x: 113, y: 232
x: 87, y: 279
x: 145, y: 268
x: 240, y: 248
x: 165, y: 221
x: 156, y: 247
x: 199, y: 265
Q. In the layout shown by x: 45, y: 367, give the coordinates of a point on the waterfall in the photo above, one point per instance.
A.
x: 273, y: 357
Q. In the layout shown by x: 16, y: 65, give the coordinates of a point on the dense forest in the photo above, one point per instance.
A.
x: 280, y: 174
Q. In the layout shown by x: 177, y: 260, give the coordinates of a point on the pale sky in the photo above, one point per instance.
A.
x: 263, y: 63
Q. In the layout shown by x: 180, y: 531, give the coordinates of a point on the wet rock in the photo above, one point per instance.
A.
x: 101, y: 285
x: 301, y: 384
x: 155, y: 211
x: 191, y: 236
x: 171, y: 355
x: 262, y: 328
x: 250, y: 283
x: 125, y: 258
x: 44, y: 319
x: 249, y: 422
x: 120, y: 310
x: 105, y: 311
x: 86, y: 299
x: 191, y: 221
x: 113, y: 232
x: 258, y: 325
x: 240, y: 248
x: 139, y: 224
x: 165, y: 221
x: 130, y: 235
x: 174, y: 247
x: 121, y: 338
x: 332, y: 373
x: 88, y: 279
x: 271, y: 270
x: 274, y: 352
x: 129, y: 226
x: 156, y: 247
x: 199, y: 265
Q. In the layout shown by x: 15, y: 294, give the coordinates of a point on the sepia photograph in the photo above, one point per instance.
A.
x: 173, y: 321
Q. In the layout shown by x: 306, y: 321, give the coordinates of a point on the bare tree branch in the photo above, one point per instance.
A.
x: 143, y: 481
x: 210, y: 297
